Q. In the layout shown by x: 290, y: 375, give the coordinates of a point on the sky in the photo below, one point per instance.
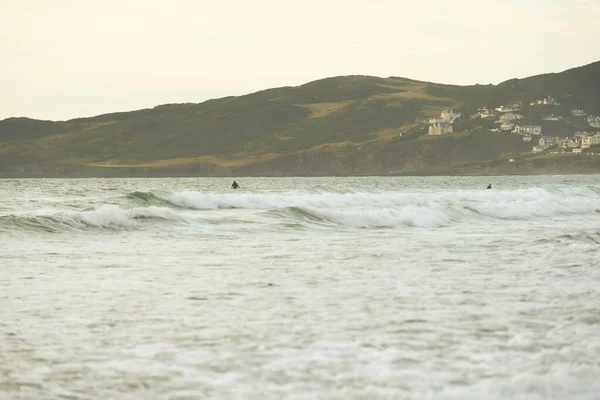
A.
x: 62, y: 59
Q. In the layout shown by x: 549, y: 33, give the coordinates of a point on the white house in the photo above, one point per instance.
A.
x: 488, y: 114
x: 504, y: 109
x: 528, y: 130
x: 589, y: 141
x: 594, y: 121
x: 507, y: 127
x: 578, y: 113
x: 509, y: 117
x: 547, y: 100
x: 568, y: 143
x: 576, y: 150
x: 547, y: 141
x: 527, y: 138
x: 552, y: 117
x: 450, y: 115
x: 550, y: 100
x: 440, y: 128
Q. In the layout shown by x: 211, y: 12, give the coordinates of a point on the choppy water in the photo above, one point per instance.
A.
x: 333, y: 288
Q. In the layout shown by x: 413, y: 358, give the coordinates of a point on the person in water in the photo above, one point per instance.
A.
x: 234, y: 185
x: 489, y: 186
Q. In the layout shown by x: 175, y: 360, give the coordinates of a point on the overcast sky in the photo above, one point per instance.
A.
x: 61, y: 59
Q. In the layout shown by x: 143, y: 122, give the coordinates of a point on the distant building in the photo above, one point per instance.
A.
x: 504, y: 109
x: 546, y: 101
x: 528, y: 130
x: 510, y: 117
x: 538, y: 149
x: 527, y: 138
x: 487, y: 114
x: 440, y: 128
x: 552, y: 117
x: 576, y: 150
x: 594, y: 121
x: 507, y: 127
x: 547, y: 141
x: 578, y: 113
x: 450, y: 115
x: 589, y: 141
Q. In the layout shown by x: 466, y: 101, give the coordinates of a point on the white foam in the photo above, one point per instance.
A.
x: 113, y: 216
x: 407, y: 216
x: 422, y: 209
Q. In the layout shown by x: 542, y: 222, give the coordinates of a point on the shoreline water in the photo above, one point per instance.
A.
x: 335, y: 287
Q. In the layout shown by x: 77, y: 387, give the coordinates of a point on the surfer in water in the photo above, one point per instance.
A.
x: 234, y: 185
x: 489, y: 186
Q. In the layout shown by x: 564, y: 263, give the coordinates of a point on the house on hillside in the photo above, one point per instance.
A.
x: 510, y: 117
x: 546, y: 101
x: 487, y: 114
x: 538, y: 149
x: 450, y: 115
x: 528, y: 130
x: 440, y: 128
x: 552, y: 117
x: 568, y: 143
x: 589, y: 141
x: 547, y: 141
x: 527, y: 138
x: 594, y: 121
x: 507, y: 127
x: 504, y: 109
x: 576, y: 150
x: 578, y: 113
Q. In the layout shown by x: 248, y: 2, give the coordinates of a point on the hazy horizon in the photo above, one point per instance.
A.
x: 68, y: 58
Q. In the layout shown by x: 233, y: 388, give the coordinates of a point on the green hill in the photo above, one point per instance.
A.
x: 342, y: 125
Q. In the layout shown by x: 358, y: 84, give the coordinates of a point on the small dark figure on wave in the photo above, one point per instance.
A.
x: 489, y: 186
x: 234, y: 185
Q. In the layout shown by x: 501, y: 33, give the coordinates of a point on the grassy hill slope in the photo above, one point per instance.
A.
x: 341, y: 125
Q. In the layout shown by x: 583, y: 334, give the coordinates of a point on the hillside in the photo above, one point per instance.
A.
x: 351, y: 125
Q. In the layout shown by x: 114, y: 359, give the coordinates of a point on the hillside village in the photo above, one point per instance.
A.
x: 516, y: 119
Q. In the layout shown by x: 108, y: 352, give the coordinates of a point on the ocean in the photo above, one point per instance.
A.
x: 300, y: 288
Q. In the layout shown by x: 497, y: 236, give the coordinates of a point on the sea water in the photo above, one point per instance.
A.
x: 300, y: 288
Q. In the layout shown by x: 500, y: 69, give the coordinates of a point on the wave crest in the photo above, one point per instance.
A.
x: 107, y: 216
x: 392, y: 209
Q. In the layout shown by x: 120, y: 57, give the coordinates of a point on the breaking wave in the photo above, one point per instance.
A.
x: 107, y: 216
x: 393, y: 209
x: 361, y: 209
